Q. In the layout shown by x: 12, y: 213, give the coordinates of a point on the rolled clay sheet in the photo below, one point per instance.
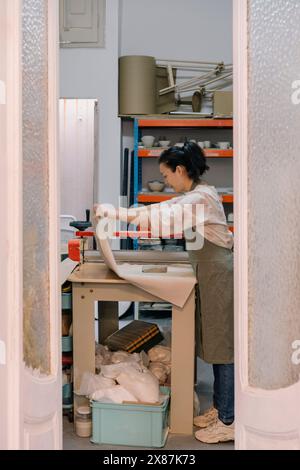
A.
x: 137, y: 85
x: 174, y: 286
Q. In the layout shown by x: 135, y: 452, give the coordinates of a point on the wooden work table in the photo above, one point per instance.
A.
x: 142, y: 256
x: 93, y: 281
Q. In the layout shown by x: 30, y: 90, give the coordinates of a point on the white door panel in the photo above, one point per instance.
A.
x: 79, y: 13
x: 268, y: 419
x: 42, y: 417
x: 76, y: 154
x: 267, y: 280
x: 30, y: 320
x: 10, y: 235
x: 82, y: 23
x: 42, y: 389
x: 80, y: 20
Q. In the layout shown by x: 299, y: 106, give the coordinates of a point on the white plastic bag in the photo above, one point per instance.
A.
x: 92, y: 382
x: 113, y: 370
x: 123, y: 356
x: 102, y: 356
x: 116, y: 394
x: 144, y: 385
x: 144, y: 359
x: 160, y: 354
x: 161, y: 371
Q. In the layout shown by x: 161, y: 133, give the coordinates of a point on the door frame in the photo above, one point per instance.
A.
x: 54, y: 185
x: 240, y: 169
x: 12, y: 393
x: 271, y: 430
x: 12, y: 227
x: 11, y: 181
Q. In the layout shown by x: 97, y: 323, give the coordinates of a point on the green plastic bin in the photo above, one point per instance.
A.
x: 67, y: 343
x: 131, y: 424
x: 67, y: 394
x: 66, y: 301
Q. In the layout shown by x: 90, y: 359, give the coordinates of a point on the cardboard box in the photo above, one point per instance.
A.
x: 223, y: 104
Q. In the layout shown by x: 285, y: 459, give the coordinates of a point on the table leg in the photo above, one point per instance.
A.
x: 182, y: 378
x: 108, y: 318
x: 83, y: 338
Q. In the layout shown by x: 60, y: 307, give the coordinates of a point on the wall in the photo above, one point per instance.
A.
x: 198, y: 30
x: 195, y: 29
x: 93, y: 73
x: 183, y: 30
x: 177, y: 29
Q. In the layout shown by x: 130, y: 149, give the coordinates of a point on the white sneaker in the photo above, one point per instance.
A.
x: 209, y: 417
x: 216, y: 432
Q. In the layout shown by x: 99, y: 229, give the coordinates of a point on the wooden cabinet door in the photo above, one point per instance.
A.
x: 82, y: 23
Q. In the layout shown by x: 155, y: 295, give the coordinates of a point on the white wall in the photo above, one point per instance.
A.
x: 93, y: 73
x: 177, y: 29
x: 183, y: 30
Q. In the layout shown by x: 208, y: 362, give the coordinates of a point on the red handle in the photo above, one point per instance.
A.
x: 141, y: 234
x: 84, y: 234
x: 132, y: 234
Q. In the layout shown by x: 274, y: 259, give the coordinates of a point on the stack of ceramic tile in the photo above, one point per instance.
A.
x: 135, y: 337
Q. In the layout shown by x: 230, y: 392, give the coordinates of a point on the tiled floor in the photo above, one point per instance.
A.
x: 174, y: 441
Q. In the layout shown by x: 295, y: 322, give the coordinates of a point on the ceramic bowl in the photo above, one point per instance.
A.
x: 148, y: 140
x: 156, y: 185
x: 223, y: 145
x: 164, y: 143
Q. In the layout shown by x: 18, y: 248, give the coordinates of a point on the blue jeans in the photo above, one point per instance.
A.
x: 224, y: 391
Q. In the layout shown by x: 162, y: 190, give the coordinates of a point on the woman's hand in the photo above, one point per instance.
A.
x: 98, y: 211
x: 102, y: 211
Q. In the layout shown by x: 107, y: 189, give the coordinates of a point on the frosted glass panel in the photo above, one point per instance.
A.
x: 35, y: 186
x: 274, y: 192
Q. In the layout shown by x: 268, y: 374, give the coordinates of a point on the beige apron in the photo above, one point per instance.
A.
x: 213, y: 266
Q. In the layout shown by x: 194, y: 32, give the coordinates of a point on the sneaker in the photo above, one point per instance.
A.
x: 209, y: 417
x: 216, y: 432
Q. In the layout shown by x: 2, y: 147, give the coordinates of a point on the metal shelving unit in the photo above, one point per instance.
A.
x: 145, y: 153
x: 141, y: 155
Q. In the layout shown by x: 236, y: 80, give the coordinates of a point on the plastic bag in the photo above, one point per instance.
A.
x: 123, y: 356
x: 144, y: 385
x: 160, y: 354
x: 166, y: 331
x: 113, y: 370
x: 102, y: 356
x: 144, y: 359
x: 116, y: 394
x: 160, y: 371
x: 92, y: 382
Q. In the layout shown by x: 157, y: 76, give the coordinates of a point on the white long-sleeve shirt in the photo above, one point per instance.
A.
x: 200, y: 209
x: 205, y: 207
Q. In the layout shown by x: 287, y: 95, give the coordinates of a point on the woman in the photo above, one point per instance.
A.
x: 212, y: 260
